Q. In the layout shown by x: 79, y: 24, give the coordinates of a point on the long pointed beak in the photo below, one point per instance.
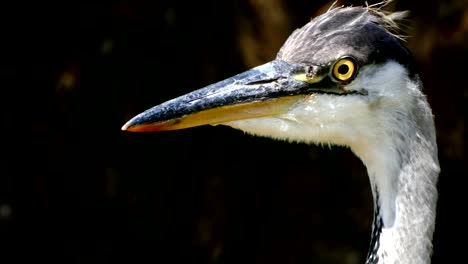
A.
x: 266, y: 90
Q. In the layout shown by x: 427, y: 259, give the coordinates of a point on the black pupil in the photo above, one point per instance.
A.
x: 343, y: 69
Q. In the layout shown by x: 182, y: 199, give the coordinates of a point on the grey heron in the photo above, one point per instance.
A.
x: 344, y: 78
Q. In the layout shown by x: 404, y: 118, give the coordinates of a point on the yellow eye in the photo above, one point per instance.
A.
x: 344, y: 69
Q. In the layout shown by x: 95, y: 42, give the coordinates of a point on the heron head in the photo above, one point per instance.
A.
x: 335, y: 80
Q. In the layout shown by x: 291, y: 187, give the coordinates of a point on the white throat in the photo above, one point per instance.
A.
x: 392, y: 131
x: 405, y: 196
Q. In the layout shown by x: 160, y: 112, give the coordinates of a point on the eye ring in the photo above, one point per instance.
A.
x: 344, y: 69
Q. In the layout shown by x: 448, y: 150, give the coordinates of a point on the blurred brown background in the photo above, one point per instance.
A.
x: 75, y: 189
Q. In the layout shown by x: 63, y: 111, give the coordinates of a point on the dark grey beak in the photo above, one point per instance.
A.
x: 266, y: 90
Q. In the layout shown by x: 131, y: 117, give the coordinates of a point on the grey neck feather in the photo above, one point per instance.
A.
x: 405, y: 204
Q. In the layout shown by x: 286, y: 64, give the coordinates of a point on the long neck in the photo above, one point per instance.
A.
x: 403, y: 171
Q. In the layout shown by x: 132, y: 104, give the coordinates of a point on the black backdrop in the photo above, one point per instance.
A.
x: 75, y: 189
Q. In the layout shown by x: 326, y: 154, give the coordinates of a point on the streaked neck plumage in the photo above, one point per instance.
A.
x: 394, y: 135
x: 403, y: 170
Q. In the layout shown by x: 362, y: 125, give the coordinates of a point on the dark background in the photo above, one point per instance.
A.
x: 76, y: 189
